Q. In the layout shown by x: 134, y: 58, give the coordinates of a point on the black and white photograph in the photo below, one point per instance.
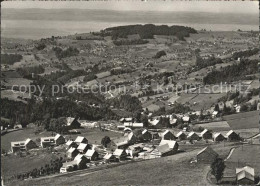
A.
x: 130, y: 92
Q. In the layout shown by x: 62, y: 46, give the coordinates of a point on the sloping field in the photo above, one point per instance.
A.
x: 245, y: 155
x: 216, y: 126
x: 163, y: 171
x: 243, y: 120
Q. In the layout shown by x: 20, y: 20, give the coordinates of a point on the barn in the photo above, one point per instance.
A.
x: 181, y: 136
x: 206, y: 134
x: 207, y: 155
x: 218, y: 137
x: 232, y: 136
x: 245, y: 176
x: 193, y: 136
x: 167, y: 135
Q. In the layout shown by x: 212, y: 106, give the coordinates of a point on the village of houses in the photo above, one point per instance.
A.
x: 137, y: 143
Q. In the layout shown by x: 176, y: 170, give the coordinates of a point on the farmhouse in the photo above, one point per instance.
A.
x: 81, y: 139
x: 193, y: 136
x: 218, y: 137
x: 119, y: 143
x: 70, y: 144
x: 147, y: 136
x: 181, y: 136
x: 51, y: 141
x: 232, y: 136
x: 83, y: 157
x: 245, y: 176
x: 92, y: 155
x: 207, y: 155
x: 205, y: 134
x: 120, y: 154
x: 172, y: 144
x: 167, y: 135
x: 78, y: 163
x: 72, y: 122
x: 166, y: 148
x: 109, y: 157
x: 47, y: 141
x: 72, y: 153
x: 59, y: 139
x: 20, y: 146
x: 159, y: 123
x: 82, y: 148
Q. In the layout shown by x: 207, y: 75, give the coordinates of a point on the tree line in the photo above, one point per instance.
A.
x: 10, y: 59
x: 233, y: 72
x: 148, y: 31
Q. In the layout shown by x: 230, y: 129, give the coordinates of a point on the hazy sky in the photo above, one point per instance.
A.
x: 148, y: 5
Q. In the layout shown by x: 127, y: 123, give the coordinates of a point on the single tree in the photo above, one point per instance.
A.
x: 217, y: 168
x: 105, y: 141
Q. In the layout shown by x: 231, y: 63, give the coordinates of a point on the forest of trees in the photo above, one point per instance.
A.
x: 51, y: 108
x: 232, y: 73
x: 202, y: 63
x: 127, y: 102
x: 148, y: 31
x: 10, y: 59
x: 40, y: 46
x: 71, y: 51
x: 246, y: 53
x: 28, y: 71
x: 130, y: 42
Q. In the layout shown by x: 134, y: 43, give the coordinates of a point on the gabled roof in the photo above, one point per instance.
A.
x: 170, y: 143
x: 244, y: 174
x: 180, y: 133
x: 145, y: 131
x: 108, y: 156
x: 130, y: 135
x: 191, y: 134
x: 27, y: 141
x: 204, y: 132
x: 209, y: 150
x: 72, y: 149
x: 90, y: 153
x: 57, y: 136
x: 68, y: 143
x: 247, y: 169
x: 70, y: 163
x: 166, y: 132
x: 79, y: 139
x: 164, y: 148
x: 217, y: 134
x: 121, y: 141
x: 229, y: 133
x: 82, y: 146
x: 79, y: 157
x: 118, y: 152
